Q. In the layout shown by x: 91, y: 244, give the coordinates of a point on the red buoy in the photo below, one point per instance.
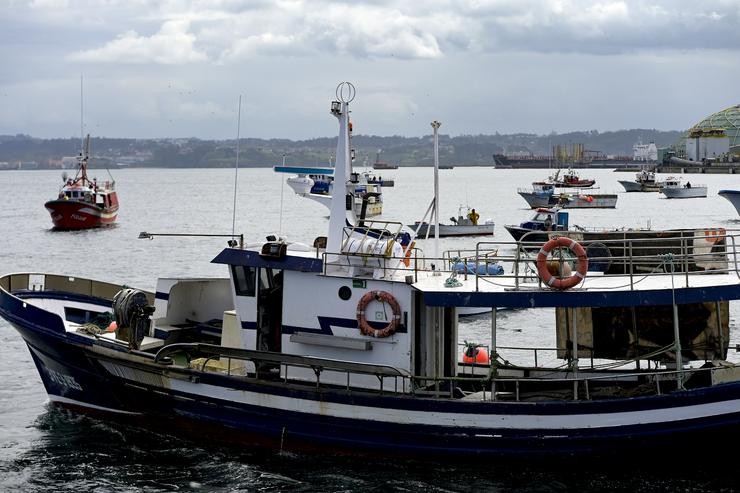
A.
x: 475, y: 354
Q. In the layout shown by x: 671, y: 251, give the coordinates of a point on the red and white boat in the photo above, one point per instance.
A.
x: 83, y: 203
x: 570, y: 179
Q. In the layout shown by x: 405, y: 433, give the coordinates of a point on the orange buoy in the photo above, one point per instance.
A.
x: 474, y: 354
x: 112, y: 327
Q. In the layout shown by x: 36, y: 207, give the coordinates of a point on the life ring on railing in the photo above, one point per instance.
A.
x: 555, y: 281
x: 383, y: 297
x: 714, y: 235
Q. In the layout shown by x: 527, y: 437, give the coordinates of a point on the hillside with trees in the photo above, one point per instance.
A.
x: 463, y: 150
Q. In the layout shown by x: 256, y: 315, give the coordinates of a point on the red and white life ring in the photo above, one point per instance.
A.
x: 383, y: 297
x: 555, y: 281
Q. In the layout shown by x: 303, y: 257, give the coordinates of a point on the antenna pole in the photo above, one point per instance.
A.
x: 435, y: 126
x: 236, y: 165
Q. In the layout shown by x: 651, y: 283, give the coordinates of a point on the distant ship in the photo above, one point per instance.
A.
x: 571, y: 155
x: 378, y: 164
x: 645, y: 152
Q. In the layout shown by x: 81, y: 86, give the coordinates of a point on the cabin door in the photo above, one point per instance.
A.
x: 269, y: 309
x: 435, y: 340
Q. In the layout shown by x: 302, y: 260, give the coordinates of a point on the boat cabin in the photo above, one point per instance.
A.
x: 547, y: 219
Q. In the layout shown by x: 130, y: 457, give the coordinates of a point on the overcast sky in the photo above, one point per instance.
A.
x: 177, y: 69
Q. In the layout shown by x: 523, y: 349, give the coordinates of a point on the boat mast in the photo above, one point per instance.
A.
x: 84, y: 145
x: 82, y: 131
x: 84, y: 156
x: 338, y: 211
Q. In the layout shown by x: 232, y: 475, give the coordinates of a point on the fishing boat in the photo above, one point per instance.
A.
x: 462, y: 225
x: 317, y: 183
x: 378, y: 164
x: 644, y: 181
x: 547, y: 222
x: 569, y: 179
x: 83, y: 203
x: 733, y: 196
x: 544, y: 195
x: 676, y: 188
x: 351, y: 346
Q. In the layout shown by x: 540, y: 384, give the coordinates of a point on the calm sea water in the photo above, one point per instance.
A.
x: 45, y: 449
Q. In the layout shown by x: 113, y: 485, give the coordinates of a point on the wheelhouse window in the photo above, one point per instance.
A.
x: 244, y: 280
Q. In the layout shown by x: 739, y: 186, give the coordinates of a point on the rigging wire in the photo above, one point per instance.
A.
x: 282, y: 188
x: 236, y: 165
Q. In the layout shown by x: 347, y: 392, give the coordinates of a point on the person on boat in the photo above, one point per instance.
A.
x: 473, y: 216
x: 688, y: 184
x: 548, y: 223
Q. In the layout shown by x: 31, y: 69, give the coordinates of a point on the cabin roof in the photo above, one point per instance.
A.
x: 251, y: 258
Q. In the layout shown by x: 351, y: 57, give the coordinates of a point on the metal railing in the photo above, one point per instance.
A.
x: 488, y: 387
x: 633, y: 255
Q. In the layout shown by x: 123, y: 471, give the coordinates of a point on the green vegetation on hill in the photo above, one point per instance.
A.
x: 403, y: 151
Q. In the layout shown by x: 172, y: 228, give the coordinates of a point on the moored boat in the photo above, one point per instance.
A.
x: 351, y: 346
x: 675, y: 188
x: 644, y: 181
x: 733, y: 196
x: 83, y: 203
x: 462, y: 225
x: 548, y: 222
x: 569, y: 179
x: 316, y: 183
x: 545, y: 196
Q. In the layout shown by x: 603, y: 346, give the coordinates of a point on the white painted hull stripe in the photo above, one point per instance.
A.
x: 67, y: 400
x: 498, y: 421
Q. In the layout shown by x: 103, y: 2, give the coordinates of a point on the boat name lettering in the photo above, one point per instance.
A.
x: 63, y: 380
x: 78, y: 217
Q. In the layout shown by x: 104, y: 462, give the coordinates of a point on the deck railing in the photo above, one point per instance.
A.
x: 633, y: 256
x: 578, y: 384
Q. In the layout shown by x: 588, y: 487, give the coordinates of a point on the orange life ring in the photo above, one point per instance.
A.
x: 714, y: 235
x: 554, y: 281
x: 383, y: 297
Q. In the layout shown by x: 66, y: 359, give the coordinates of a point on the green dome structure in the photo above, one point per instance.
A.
x: 727, y: 120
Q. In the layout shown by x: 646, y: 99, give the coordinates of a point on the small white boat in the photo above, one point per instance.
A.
x: 317, y: 183
x: 461, y: 226
x: 675, y: 188
x: 644, y: 181
x: 733, y: 196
